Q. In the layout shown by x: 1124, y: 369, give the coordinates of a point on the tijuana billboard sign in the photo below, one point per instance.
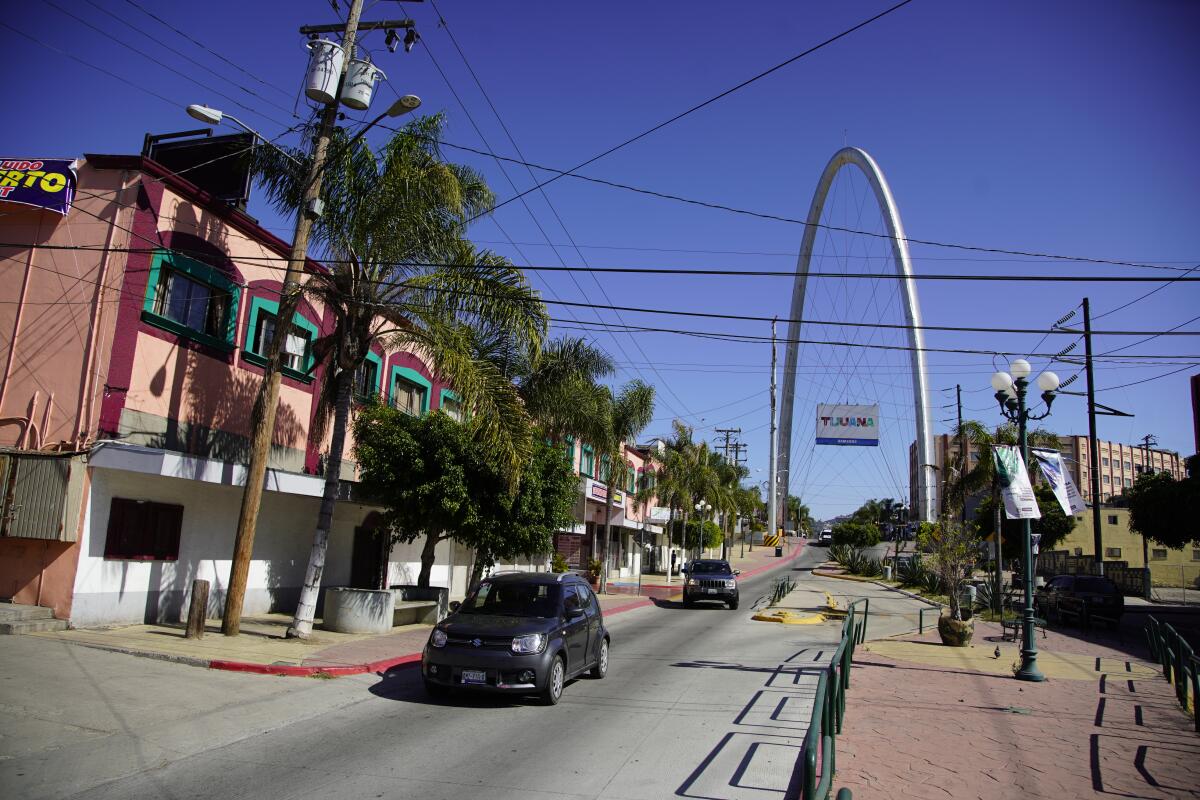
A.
x: 848, y: 425
x: 41, y: 183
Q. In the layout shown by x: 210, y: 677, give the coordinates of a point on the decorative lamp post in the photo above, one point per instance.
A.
x: 1011, y: 390
x: 702, y: 508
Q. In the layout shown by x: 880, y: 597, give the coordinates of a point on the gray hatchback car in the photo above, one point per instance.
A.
x: 519, y: 633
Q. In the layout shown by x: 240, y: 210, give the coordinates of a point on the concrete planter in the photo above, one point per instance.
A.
x: 358, y: 610
x: 955, y: 632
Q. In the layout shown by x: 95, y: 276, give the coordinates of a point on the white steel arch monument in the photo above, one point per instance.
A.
x: 912, y: 315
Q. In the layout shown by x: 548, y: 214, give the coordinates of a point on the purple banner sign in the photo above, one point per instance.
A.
x: 45, y: 183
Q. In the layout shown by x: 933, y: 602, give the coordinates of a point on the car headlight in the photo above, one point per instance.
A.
x: 731, y: 584
x: 530, y: 643
x: 438, y: 639
x: 693, y: 581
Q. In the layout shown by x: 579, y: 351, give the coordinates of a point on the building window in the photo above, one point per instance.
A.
x: 587, y: 462
x: 191, y: 299
x: 1128, y: 482
x: 1128, y: 466
x: 408, y: 397
x: 569, y: 446
x: 1104, y: 461
x: 1196, y: 555
x: 366, y: 380
x: 139, y: 530
x: 605, y: 468
x: 632, y: 475
x: 1106, y: 480
x: 1112, y: 519
x: 1157, y: 554
x: 649, y: 479
x: 409, y: 391
x: 295, y: 344
x: 451, y: 405
x: 1112, y: 552
x: 296, y: 351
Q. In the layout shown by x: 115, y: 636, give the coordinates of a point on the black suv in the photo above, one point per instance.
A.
x: 521, y: 633
x: 710, y: 579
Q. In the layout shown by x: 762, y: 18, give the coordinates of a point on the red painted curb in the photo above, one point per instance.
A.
x: 413, y: 659
x: 409, y: 659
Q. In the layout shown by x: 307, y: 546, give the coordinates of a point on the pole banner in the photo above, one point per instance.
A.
x: 1019, y: 500
x: 1050, y: 463
x: 44, y: 183
x: 848, y: 425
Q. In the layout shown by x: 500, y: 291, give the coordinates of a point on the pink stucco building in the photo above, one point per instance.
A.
x: 132, y: 332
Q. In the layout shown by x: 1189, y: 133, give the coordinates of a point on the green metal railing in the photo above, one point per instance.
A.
x: 1179, y: 664
x: 783, y: 586
x: 921, y: 616
x: 819, y: 758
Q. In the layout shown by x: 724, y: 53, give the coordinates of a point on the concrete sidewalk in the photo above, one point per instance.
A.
x: 928, y: 721
x: 263, y: 648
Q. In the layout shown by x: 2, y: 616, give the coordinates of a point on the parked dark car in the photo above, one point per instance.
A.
x: 825, y: 537
x: 711, y: 579
x: 519, y: 633
x: 1080, y: 597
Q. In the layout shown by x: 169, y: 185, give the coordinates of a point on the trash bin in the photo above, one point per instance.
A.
x: 779, y: 551
x: 966, y: 600
x: 887, y: 572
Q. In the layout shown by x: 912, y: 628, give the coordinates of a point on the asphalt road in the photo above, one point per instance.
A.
x: 701, y: 703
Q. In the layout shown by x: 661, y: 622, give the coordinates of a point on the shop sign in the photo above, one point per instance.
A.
x: 45, y: 183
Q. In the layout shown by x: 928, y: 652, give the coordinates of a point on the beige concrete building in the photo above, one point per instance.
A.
x: 1179, y: 568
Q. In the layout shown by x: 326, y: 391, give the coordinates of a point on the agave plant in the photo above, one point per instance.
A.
x: 841, y: 553
x: 871, y: 567
x: 909, y: 572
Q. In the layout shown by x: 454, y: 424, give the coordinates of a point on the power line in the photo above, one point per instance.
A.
x: 713, y: 99
x: 794, y: 221
x: 710, y: 314
x: 204, y: 47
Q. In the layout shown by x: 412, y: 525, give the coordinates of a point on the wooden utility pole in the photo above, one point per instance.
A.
x: 1147, y: 442
x: 262, y: 418
x: 1093, y: 441
x: 772, y: 490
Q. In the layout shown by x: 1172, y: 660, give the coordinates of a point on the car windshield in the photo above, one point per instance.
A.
x: 514, y: 599
x: 708, y: 567
x: 1098, y: 585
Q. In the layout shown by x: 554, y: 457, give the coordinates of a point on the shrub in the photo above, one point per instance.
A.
x: 871, y: 567
x: 909, y: 572
x: 856, y: 534
x: 558, y: 563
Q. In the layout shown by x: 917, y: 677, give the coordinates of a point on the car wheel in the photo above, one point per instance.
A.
x: 600, y: 669
x: 733, y: 604
x: 554, y: 682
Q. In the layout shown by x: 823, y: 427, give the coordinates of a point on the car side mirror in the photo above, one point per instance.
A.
x: 455, y: 605
x: 574, y: 613
x: 737, y: 572
x: 683, y: 570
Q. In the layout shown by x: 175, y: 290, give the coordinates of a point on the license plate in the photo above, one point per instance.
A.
x: 474, y: 676
x: 711, y: 591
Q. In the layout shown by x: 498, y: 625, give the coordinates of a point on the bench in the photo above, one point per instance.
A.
x: 410, y: 612
x: 1011, y: 618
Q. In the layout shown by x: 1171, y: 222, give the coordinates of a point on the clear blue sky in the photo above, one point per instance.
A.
x: 1065, y: 127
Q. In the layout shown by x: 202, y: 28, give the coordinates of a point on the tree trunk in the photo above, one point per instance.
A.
x: 428, y: 556
x: 476, y: 572
x: 670, y: 536
x: 306, y: 609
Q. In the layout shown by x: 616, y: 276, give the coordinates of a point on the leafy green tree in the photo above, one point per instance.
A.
x: 1053, y: 526
x: 437, y: 482
x: 855, y: 533
x: 387, y: 216
x: 1167, y: 510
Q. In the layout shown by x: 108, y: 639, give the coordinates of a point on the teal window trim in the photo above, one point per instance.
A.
x: 450, y: 394
x: 412, y: 376
x: 258, y: 304
x: 199, y: 272
x: 378, y: 362
x: 569, y: 446
x: 605, y: 469
x: 587, y: 462
x: 633, y: 480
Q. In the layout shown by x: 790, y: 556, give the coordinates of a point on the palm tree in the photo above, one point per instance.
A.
x: 561, y: 390
x: 728, y: 496
x: 392, y: 227
x: 630, y: 411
